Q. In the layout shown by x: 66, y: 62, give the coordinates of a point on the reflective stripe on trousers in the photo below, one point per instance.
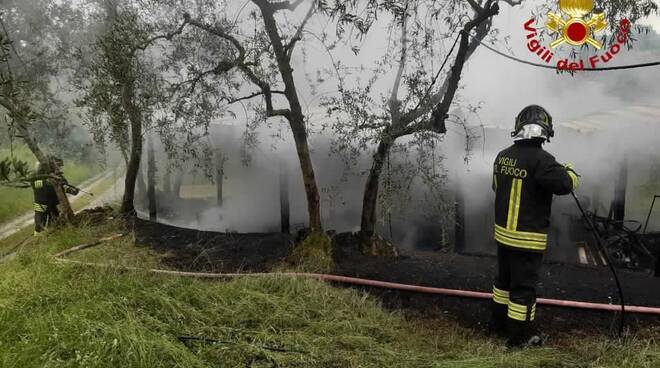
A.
x: 520, y: 312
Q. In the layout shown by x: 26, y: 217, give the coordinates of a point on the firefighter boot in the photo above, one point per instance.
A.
x: 498, y: 319
x: 523, y: 334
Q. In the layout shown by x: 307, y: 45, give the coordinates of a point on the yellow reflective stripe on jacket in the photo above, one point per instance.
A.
x: 38, y: 183
x: 574, y: 179
x: 40, y: 207
x: 514, y: 204
x: 519, y: 312
x: 510, y: 235
x: 500, y: 296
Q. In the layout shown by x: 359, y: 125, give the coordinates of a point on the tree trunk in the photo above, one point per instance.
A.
x: 309, y: 177
x: 167, y: 181
x: 141, y: 189
x: 459, y: 219
x: 178, y: 181
x: 132, y: 171
x: 151, y: 181
x: 219, y: 177
x: 284, y: 197
x: 370, y: 199
x: 127, y: 206
x: 124, y: 154
x: 296, y: 118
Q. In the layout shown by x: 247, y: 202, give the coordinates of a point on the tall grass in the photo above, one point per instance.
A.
x: 77, y: 316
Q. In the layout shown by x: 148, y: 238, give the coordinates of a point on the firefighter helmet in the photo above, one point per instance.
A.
x: 533, y: 122
x: 52, y: 164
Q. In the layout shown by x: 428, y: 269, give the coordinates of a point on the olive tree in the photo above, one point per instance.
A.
x: 122, y: 90
x: 244, y: 64
x: 422, y: 93
x: 29, y: 61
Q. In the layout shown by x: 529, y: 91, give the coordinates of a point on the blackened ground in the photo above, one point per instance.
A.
x: 193, y: 250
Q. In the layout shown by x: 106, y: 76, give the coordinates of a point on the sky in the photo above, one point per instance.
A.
x: 653, y: 21
x: 505, y: 87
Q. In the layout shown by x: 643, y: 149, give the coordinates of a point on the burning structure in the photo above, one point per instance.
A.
x: 619, y: 175
x: 250, y: 183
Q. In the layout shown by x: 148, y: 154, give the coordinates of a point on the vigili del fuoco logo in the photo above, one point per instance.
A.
x: 576, y: 25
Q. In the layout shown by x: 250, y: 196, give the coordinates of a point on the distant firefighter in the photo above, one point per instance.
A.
x: 525, y: 178
x: 45, y: 198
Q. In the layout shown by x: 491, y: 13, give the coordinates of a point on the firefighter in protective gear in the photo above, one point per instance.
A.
x: 45, y: 198
x: 525, y: 178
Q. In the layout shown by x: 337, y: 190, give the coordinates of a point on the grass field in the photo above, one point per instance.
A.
x: 15, y: 202
x: 80, y: 316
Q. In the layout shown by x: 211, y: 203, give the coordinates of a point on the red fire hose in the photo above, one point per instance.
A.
x: 356, y: 281
x: 415, y: 288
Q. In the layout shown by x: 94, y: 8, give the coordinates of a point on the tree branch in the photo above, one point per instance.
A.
x: 372, y: 126
x: 265, y: 89
x: 193, y: 81
x: 167, y: 36
x: 513, y: 2
x: 476, y: 7
x: 282, y: 5
x: 7, y: 105
x: 436, y: 98
x: 298, y: 35
x: 232, y: 101
x: 218, y: 32
x: 441, y: 110
x: 394, y: 100
x: 240, y: 63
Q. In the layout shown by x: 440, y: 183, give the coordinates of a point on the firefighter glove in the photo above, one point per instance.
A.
x: 70, y: 189
x: 575, y: 178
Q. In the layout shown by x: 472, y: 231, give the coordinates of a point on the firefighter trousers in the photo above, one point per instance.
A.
x: 43, y: 218
x: 514, y: 290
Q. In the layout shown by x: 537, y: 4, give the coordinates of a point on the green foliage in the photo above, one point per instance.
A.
x: 110, y: 75
x: 13, y: 170
x: 125, y: 81
x: 32, y: 44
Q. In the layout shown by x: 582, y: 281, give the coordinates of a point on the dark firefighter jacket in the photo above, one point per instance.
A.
x: 45, y: 198
x: 524, y: 179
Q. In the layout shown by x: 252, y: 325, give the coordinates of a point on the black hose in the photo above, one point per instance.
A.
x: 545, y: 66
x: 609, y: 262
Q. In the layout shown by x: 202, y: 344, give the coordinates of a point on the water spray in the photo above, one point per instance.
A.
x: 86, y: 192
x: 602, y: 249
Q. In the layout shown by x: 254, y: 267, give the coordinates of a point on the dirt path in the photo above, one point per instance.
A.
x: 110, y: 196
x: 27, y: 219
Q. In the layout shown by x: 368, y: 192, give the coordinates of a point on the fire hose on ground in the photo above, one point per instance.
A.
x: 352, y: 281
